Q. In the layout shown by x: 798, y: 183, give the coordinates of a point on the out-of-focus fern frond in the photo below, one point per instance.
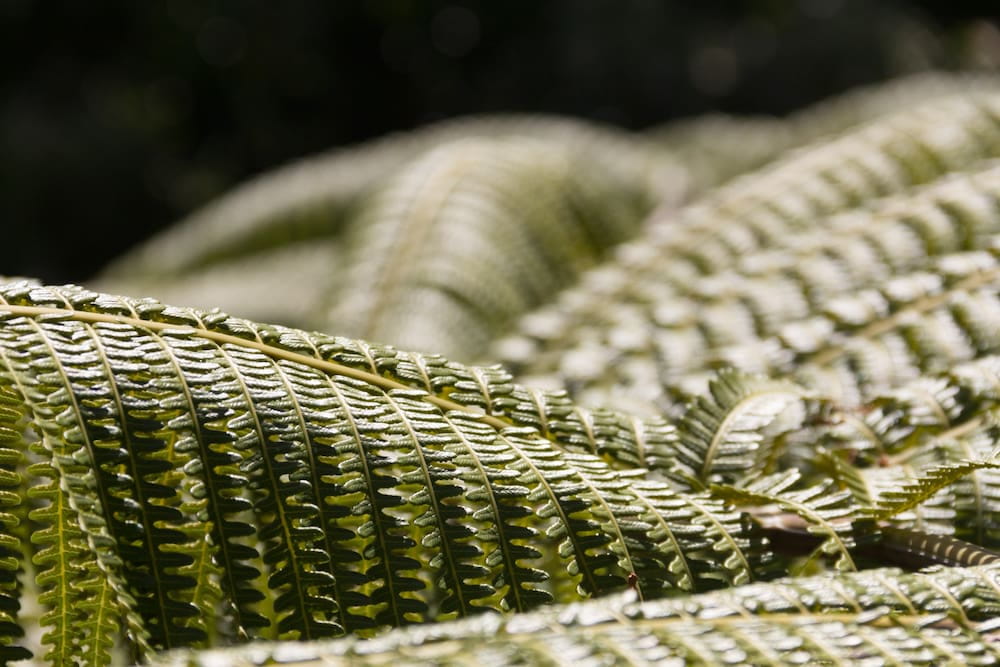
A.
x: 915, y: 411
x: 959, y: 462
x: 286, y: 284
x: 857, y: 618
x: 473, y: 232
x: 917, y: 463
x: 825, y: 511
x: 717, y: 147
x: 317, y: 196
x: 772, y: 642
x: 476, y: 232
x: 640, y: 322
x: 924, y: 322
x: 893, y: 501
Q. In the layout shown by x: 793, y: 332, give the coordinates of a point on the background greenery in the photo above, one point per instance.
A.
x: 116, y: 118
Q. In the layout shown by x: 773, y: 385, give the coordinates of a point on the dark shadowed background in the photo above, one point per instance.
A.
x: 117, y: 117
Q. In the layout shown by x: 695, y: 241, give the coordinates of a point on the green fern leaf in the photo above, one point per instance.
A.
x: 422, y: 269
x: 880, y: 615
x: 389, y: 215
x: 826, y: 513
x: 717, y: 147
x: 965, y: 508
x: 748, y: 260
x: 733, y: 431
x: 11, y: 423
x: 892, y: 502
x: 244, y: 479
x: 69, y: 578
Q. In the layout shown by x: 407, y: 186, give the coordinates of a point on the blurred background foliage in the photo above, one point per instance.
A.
x: 118, y: 117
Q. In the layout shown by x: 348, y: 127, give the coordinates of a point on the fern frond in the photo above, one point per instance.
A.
x: 844, y: 475
x: 12, y: 418
x: 880, y: 615
x: 732, y: 431
x: 244, y: 479
x: 977, y: 495
x: 536, y: 211
x: 622, y: 439
x: 911, y: 414
x: 696, y: 642
x: 641, y: 320
x: 717, y: 147
x: 968, y: 507
x: 471, y: 235
x: 920, y: 323
x: 53, y: 413
x: 894, y: 501
x: 71, y: 586
x: 288, y: 284
x: 317, y: 197
x: 826, y: 512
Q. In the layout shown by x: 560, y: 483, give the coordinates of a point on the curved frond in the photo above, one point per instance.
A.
x: 732, y: 431
x: 316, y: 197
x: 894, y: 501
x: 520, y: 197
x: 716, y: 147
x: 474, y: 233
x: 952, y: 483
x: 877, y: 616
x: 12, y: 423
x: 764, y: 251
x: 823, y: 511
x: 229, y: 479
x: 912, y: 413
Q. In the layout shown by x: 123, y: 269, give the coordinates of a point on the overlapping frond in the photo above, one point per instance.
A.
x: 914, y: 492
x: 717, y: 147
x: 351, y: 208
x: 915, y: 411
x: 766, y: 250
x: 217, y: 479
x: 471, y: 235
x: 732, y: 431
x: 947, y: 485
x: 292, y: 225
x: 316, y: 197
x: 871, y: 617
x: 11, y: 424
x: 823, y: 510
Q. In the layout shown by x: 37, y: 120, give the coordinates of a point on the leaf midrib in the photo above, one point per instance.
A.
x: 974, y: 280
x: 733, y: 413
x: 273, y: 351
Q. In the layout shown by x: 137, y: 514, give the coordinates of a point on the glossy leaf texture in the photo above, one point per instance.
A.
x: 202, y: 479
x: 925, y: 619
